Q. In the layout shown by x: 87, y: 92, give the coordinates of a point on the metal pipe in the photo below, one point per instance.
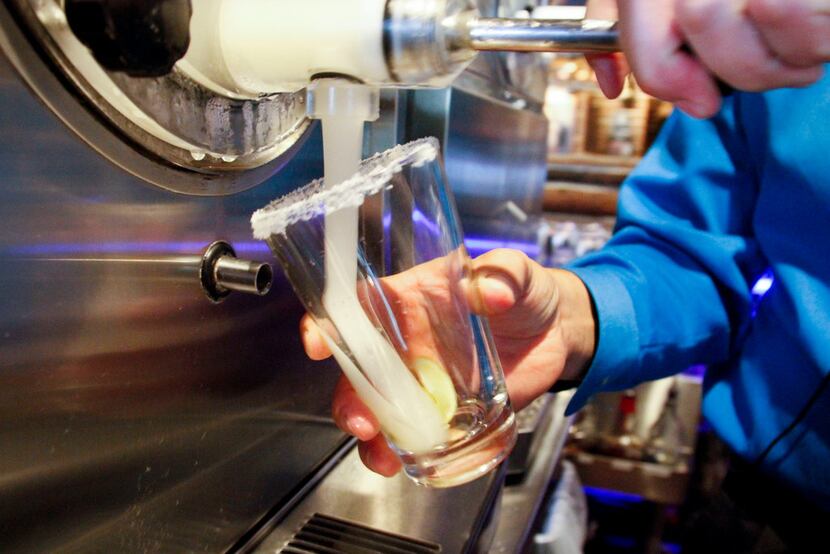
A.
x: 243, y: 275
x: 540, y: 35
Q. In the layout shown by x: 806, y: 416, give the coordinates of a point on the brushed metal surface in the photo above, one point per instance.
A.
x: 494, y: 150
x: 135, y: 414
x: 327, y: 533
x: 482, y: 516
x: 451, y: 518
x: 522, y: 502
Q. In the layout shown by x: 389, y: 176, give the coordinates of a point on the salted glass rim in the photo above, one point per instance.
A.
x: 315, y: 198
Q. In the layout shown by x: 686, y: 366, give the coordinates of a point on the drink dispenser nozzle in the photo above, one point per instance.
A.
x: 267, y: 46
x: 589, y: 36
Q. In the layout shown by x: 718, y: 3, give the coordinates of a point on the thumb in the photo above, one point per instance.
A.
x: 501, y: 279
x: 497, y: 293
x: 518, y: 296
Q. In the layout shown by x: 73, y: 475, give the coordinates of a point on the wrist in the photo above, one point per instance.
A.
x: 576, y: 320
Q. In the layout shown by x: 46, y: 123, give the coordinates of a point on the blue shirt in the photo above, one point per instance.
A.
x: 713, y: 206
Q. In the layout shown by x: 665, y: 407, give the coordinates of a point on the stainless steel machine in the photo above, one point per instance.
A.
x: 154, y: 395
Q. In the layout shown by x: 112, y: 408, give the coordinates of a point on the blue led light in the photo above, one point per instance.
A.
x: 763, y: 284
x: 761, y: 288
x: 620, y: 542
x: 612, y: 497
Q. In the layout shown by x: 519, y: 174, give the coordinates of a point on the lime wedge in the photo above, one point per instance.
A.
x: 438, y: 385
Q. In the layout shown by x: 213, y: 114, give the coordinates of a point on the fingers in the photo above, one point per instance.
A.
x: 377, y: 456
x: 601, y: 9
x: 610, y: 69
x: 354, y: 418
x: 680, y: 49
x: 796, y: 32
x: 351, y: 415
x: 655, y: 49
x: 313, y: 343
x: 730, y: 45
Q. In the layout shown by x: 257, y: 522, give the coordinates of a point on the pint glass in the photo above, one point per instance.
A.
x: 380, y: 265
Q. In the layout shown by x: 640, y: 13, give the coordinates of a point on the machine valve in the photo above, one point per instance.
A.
x: 222, y: 272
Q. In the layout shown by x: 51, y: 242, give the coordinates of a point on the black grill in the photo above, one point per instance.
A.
x: 327, y: 535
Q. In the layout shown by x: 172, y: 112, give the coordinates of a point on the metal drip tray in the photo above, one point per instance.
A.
x: 380, y: 507
x: 355, y: 510
x: 324, y: 534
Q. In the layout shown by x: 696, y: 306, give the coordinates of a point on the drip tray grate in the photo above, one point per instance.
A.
x: 327, y: 535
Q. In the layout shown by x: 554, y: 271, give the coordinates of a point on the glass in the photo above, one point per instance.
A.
x: 380, y: 265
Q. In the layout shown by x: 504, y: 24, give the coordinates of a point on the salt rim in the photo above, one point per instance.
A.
x: 314, y: 199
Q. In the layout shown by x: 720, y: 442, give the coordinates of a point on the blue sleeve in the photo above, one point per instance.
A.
x: 673, y: 286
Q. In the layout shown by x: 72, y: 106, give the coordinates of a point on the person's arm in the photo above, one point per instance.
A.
x: 673, y: 286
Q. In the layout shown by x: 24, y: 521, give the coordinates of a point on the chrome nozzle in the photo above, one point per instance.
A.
x: 429, y: 42
x: 539, y: 35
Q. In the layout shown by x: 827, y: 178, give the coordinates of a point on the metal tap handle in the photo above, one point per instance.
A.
x: 540, y: 35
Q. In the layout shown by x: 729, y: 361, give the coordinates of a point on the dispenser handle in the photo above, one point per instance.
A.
x: 589, y: 36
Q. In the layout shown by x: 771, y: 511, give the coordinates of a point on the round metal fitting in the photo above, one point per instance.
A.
x: 222, y: 272
x: 421, y: 43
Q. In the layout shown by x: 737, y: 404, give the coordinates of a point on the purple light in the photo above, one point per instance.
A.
x: 617, y: 541
x: 476, y: 245
x: 126, y: 247
x: 251, y: 247
x: 612, y: 497
x: 419, y: 217
x: 480, y: 245
x: 696, y: 372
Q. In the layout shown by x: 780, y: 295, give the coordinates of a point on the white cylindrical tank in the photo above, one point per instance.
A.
x: 253, y: 47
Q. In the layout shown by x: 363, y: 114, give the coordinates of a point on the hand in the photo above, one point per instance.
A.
x: 679, y: 49
x: 541, y: 321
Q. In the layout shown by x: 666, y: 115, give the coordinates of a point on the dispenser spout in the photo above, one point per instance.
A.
x: 243, y: 275
x: 222, y: 272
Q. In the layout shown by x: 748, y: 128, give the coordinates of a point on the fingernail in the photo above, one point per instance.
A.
x: 606, y: 71
x: 497, y: 289
x: 692, y: 108
x: 359, y: 426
